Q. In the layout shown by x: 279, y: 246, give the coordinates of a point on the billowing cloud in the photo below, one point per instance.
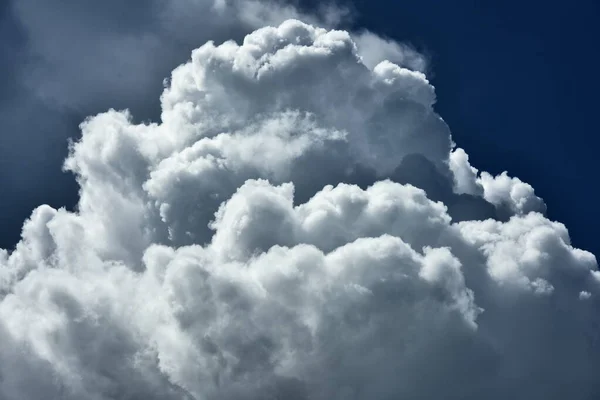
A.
x: 298, y: 225
x: 375, y: 49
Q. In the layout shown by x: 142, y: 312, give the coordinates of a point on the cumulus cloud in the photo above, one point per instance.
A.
x: 298, y: 225
x: 509, y: 194
x: 374, y: 49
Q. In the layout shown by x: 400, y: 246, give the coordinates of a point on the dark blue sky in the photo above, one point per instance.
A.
x: 516, y: 82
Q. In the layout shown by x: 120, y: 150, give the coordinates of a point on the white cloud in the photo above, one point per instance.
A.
x: 509, y: 194
x: 374, y: 49
x: 465, y: 176
x: 250, y: 245
x: 503, y: 190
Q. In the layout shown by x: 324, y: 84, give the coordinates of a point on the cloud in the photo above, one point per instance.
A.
x: 374, y: 49
x: 297, y: 225
x: 509, y: 194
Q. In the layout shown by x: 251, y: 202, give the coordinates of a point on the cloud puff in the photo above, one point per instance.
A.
x: 375, y: 49
x: 297, y: 226
x: 509, y: 194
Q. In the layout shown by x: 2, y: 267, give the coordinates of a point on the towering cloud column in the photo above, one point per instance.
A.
x: 299, y: 225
